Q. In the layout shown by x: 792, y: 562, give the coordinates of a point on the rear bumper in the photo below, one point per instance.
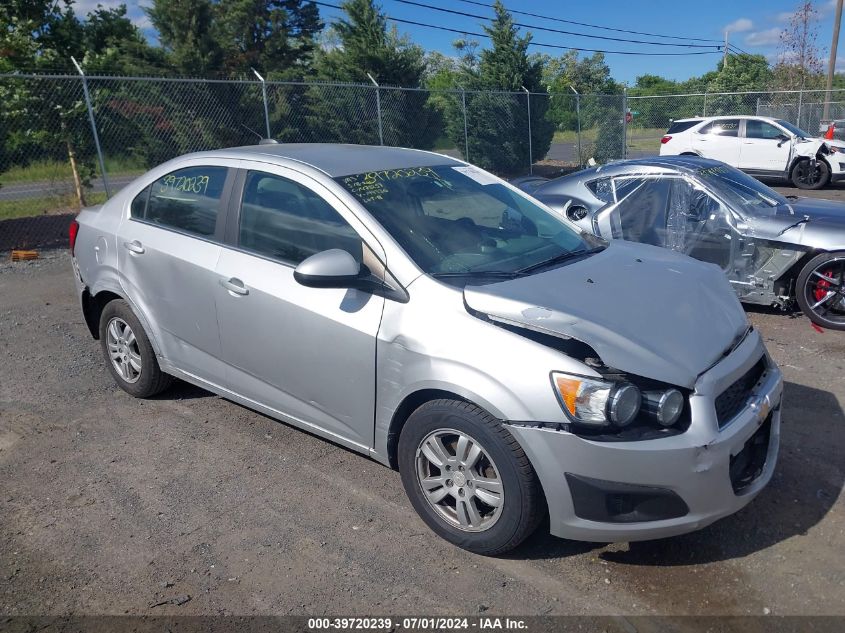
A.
x: 686, y: 477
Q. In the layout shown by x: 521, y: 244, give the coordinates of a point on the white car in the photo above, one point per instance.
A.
x: 760, y: 146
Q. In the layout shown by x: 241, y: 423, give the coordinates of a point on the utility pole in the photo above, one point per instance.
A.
x: 831, y: 65
x: 725, y: 58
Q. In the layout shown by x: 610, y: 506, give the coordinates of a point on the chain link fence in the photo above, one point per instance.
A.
x: 71, y: 141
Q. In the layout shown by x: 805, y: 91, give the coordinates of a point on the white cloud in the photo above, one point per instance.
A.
x: 766, y: 37
x: 737, y: 26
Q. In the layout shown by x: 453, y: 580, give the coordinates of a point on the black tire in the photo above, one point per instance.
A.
x: 804, y: 176
x: 523, y: 506
x: 811, y: 288
x: 150, y: 380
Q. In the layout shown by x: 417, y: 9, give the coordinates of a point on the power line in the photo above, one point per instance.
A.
x: 717, y: 49
x: 592, y: 26
x: 551, y: 30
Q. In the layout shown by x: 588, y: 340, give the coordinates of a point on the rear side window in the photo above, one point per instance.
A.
x: 682, y: 126
x: 287, y: 221
x: 722, y: 127
x: 186, y: 200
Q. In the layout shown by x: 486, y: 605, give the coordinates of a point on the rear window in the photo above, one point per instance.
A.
x: 721, y: 127
x: 681, y: 126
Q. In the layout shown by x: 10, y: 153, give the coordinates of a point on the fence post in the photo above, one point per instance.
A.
x: 378, y: 110
x: 800, y: 103
x: 578, y: 123
x: 466, y: 135
x: 705, y: 104
x: 264, y: 94
x: 93, y: 127
x: 530, y: 149
x: 757, y: 111
x: 624, y: 122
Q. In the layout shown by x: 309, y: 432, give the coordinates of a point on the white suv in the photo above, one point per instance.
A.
x: 761, y: 146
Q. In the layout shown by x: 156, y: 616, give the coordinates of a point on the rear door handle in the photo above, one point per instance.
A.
x: 134, y: 247
x: 234, y: 285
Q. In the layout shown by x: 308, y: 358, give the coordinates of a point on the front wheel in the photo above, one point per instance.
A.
x: 468, y: 478
x: 820, y: 290
x: 808, y: 174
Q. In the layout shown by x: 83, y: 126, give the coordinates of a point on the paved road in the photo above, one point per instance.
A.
x: 22, y: 191
x: 112, y: 505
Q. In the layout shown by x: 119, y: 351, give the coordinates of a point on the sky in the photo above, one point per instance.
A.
x: 753, y: 25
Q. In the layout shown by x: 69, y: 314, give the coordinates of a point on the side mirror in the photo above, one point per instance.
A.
x: 334, y: 268
x: 783, y: 138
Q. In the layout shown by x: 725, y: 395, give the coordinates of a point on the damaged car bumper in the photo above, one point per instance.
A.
x: 610, y: 491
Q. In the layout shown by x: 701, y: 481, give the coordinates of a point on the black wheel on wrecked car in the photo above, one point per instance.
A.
x: 807, y: 174
x: 820, y: 290
x: 468, y: 478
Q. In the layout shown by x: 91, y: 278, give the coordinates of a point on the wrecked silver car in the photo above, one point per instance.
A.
x: 775, y: 250
x: 421, y: 311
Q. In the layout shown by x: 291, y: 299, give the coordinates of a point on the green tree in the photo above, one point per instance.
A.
x: 498, y: 121
x: 367, y: 46
x: 188, y: 33
x: 274, y: 36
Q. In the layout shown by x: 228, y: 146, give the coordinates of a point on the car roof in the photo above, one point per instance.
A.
x: 652, y: 164
x: 337, y: 159
x: 726, y: 116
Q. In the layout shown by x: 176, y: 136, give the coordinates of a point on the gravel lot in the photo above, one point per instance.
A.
x: 110, y: 505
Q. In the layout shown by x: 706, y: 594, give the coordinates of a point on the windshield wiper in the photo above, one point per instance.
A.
x: 557, y: 259
x: 803, y: 220
x: 498, y: 274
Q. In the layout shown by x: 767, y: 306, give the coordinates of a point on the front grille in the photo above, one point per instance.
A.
x: 747, y: 465
x: 732, y: 400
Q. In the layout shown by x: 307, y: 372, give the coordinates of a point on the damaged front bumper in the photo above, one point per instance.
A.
x: 628, y: 491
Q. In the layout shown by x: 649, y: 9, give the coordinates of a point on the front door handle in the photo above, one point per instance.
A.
x: 134, y: 247
x: 234, y: 285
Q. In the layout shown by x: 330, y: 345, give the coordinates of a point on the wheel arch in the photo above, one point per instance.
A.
x: 93, y: 304
x: 411, y: 403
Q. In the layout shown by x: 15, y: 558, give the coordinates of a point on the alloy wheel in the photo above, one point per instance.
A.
x: 825, y: 290
x: 459, y: 480
x: 123, y: 349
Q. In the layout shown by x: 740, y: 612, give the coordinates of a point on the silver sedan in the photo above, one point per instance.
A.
x: 421, y: 311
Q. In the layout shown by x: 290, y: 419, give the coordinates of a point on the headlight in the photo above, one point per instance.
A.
x: 665, y: 406
x: 597, y: 402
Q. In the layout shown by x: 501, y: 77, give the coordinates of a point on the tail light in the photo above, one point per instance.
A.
x: 72, y: 231
x: 665, y: 139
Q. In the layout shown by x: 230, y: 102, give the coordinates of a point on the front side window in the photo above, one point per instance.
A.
x: 186, y: 200
x: 459, y: 221
x: 761, y: 129
x: 745, y: 194
x: 721, y: 127
x: 284, y: 220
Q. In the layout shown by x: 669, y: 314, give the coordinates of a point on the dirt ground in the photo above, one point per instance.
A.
x: 110, y: 505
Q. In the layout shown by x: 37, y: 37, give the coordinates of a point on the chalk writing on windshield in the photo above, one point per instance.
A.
x: 370, y: 186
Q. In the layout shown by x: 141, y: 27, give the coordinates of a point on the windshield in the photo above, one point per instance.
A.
x: 459, y: 221
x: 797, y: 131
x: 743, y: 193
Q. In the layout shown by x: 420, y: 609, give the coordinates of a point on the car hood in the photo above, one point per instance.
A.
x: 819, y: 209
x: 644, y: 310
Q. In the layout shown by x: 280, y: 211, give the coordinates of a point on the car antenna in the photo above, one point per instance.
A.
x: 261, y: 139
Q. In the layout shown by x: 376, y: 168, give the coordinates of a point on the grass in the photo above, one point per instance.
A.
x: 48, y: 205
x: 45, y: 170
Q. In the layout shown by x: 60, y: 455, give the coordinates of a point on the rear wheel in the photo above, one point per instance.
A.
x: 808, y: 174
x: 468, y: 478
x: 128, y: 353
x: 820, y: 290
